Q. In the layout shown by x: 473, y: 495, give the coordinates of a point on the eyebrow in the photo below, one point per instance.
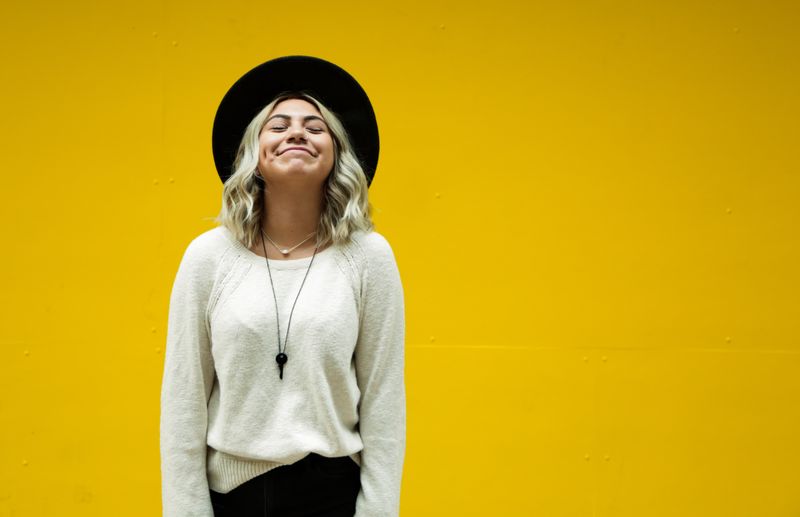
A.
x: 305, y: 119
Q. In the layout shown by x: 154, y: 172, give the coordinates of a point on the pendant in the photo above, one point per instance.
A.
x: 281, y: 359
x: 285, y: 252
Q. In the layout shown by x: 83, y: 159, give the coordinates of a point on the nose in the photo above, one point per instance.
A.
x: 296, y: 133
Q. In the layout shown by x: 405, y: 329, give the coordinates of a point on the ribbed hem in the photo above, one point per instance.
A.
x: 226, y: 472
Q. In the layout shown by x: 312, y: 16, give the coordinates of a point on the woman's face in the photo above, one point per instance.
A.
x: 295, y: 145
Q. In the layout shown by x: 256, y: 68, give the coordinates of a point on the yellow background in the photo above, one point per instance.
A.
x: 594, y: 207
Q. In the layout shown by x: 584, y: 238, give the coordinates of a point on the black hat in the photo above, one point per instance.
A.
x: 332, y: 85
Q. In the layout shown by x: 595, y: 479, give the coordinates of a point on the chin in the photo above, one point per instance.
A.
x: 297, y: 178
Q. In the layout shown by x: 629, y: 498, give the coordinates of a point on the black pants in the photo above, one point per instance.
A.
x: 315, y: 486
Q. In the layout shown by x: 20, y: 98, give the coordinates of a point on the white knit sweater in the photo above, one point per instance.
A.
x: 227, y: 417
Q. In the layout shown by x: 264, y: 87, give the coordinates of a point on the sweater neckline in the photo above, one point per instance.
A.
x: 298, y: 263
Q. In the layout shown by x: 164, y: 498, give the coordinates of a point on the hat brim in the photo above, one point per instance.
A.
x: 331, y: 84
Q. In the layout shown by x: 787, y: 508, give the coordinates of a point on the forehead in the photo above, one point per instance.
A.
x: 295, y: 106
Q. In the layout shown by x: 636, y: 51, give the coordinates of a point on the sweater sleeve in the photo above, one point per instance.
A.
x: 379, y: 358
x: 186, y: 386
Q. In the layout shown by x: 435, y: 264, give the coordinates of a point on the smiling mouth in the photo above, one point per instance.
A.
x: 298, y: 150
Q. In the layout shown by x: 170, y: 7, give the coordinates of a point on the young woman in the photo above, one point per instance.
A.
x: 283, y: 390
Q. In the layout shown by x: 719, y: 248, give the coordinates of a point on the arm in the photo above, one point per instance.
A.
x: 379, y: 360
x: 186, y: 387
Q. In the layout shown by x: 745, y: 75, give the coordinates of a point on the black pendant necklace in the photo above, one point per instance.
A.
x: 282, y: 358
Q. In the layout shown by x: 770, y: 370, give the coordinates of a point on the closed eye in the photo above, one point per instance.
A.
x: 314, y: 129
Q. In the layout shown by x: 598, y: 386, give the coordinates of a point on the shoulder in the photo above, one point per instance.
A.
x: 372, y: 243
x: 207, y: 245
x: 377, y: 266
x: 366, y: 251
x: 205, y: 252
x: 372, y: 247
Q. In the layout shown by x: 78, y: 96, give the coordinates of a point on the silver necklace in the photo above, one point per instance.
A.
x: 281, y: 358
x: 286, y: 251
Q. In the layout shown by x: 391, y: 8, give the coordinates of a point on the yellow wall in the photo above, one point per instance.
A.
x: 594, y: 206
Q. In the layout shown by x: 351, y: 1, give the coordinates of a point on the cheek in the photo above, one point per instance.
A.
x: 330, y: 151
x: 265, y: 147
x: 329, y: 147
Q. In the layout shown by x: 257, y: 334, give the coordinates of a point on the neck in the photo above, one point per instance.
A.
x: 290, y: 216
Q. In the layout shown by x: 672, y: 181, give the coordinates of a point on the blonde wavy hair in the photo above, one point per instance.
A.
x: 346, y: 204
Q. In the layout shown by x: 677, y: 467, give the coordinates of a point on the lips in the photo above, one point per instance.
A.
x: 296, y: 149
